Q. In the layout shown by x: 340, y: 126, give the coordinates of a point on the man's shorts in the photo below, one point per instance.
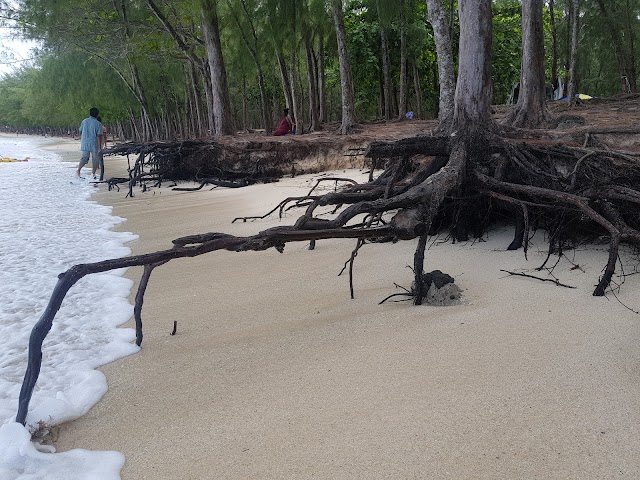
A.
x: 95, y: 160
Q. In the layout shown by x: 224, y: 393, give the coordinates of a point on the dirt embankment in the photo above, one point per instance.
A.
x: 613, y: 119
x: 599, y: 123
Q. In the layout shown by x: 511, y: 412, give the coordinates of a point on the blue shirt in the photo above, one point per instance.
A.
x: 90, y: 129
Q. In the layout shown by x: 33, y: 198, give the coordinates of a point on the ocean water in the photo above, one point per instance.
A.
x: 48, y: 223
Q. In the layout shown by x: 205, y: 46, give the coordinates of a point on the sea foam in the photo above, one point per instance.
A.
x: 47, y: 224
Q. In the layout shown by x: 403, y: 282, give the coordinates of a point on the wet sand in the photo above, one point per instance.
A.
x: 276, y: 373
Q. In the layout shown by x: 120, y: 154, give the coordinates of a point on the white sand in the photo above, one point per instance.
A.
x: 276, y: 373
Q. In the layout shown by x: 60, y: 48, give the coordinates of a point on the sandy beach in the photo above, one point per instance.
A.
x: 276, y: 373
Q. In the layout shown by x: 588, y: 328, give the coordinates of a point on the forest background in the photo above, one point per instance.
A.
x: 152, y: 67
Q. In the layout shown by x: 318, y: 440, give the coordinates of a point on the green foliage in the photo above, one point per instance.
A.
x: 14, y: 91
x: 507, y: 47
x: 60, y: 92
x: 598, y: 65
x: 117, y: 55
x: 363, y: 35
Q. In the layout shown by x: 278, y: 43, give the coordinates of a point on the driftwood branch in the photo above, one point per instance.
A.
x: 552, y: 280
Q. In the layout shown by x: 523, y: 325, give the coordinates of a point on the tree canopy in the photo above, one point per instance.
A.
x: 147, y: 65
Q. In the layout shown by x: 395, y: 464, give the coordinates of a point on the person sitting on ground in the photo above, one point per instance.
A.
x: 285, y: 126
x: 90, y: 131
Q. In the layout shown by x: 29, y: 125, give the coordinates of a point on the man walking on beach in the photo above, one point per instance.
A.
x: 90, y: 131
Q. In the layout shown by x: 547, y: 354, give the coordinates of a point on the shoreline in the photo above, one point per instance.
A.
x: 276, y: 373
x: 49, y: 224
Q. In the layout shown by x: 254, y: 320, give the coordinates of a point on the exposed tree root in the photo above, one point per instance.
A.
x: 223, y: 164
x: 280, y: 207
x: 460, y: 183
x: 552, y: 280
x: 242, y: 182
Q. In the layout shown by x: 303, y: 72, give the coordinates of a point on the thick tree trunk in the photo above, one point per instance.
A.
x: 276, y: 104
x: 296, y: 112
x: 296, y: 109
x: 284, y: 78
x: 196, y: 97
x: 394, y: 98
x: 206, y: 78
x: 473, y: 90
x: 346, y: 80
x: 631, y: 56
x: 418, y: 89
x: 222, y: 114
x: 264, y: 105
x: 574, y: 15
x: 190, y: 125
x: 386, y: 74
x: 444, y: 51
x: 554, y: 45
x: 531, y: 109
x: 386, y: 68
x: 472, y: 117
x: 313, y: 86
x: 244, y: 103
x: 322, y: 86
x: 145, y: 119
x: 402, y: 96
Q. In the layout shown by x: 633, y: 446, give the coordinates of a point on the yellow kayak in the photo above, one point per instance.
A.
x: 7, y: 159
